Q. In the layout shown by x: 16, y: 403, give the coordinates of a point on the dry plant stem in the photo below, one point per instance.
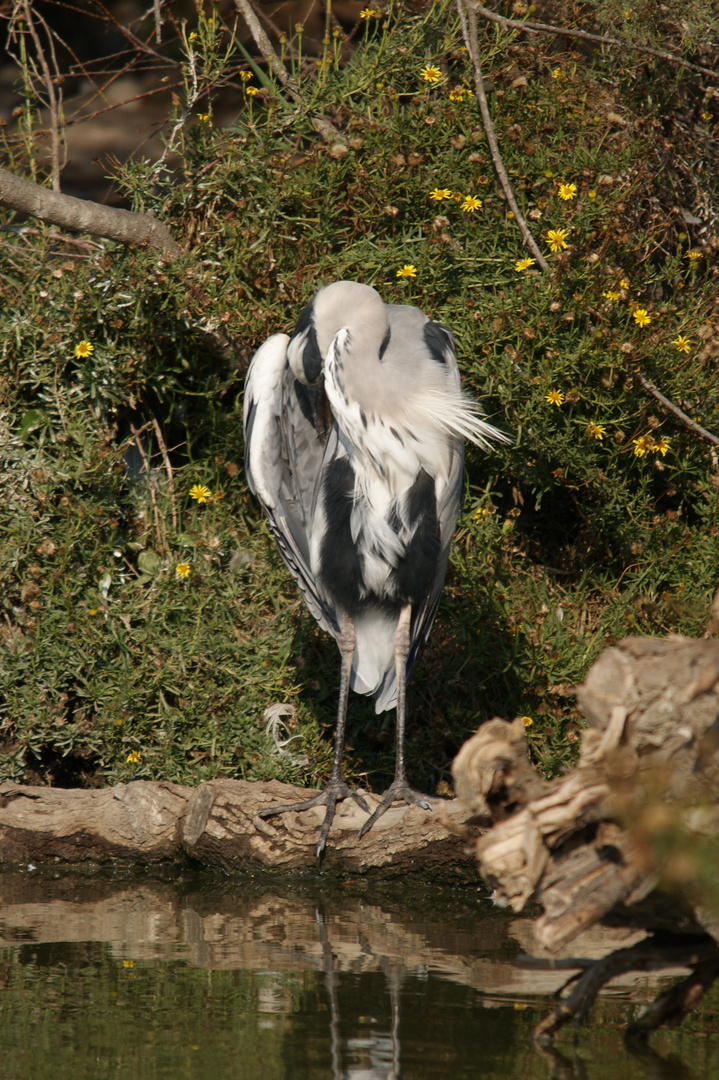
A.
x: 264, y: 44
x: 158, y: 21
x: 52, y: 97
x: 651, y: 389
x: 160, y: 531
x: 468, y: 19
x: 168, y: 470
x: 84, y: 216
x: 531, y: 27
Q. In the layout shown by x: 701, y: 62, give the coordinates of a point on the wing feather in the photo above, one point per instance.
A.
x: 285, y: 442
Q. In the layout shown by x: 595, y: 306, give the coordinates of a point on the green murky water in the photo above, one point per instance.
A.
x: 207, y: 979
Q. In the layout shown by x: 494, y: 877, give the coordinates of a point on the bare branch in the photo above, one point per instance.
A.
x: 168, y: 470
x: 651, y: 389
x: 84, y: 216
x: 264, y: 44
x: 53, y: 98
x: 531, y: 27
x: 468, y: 19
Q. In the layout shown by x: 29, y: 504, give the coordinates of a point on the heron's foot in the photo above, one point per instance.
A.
x: 335, y: 791
x: 399, y: 790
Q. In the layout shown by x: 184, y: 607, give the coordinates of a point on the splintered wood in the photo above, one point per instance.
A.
x: 581, y: 845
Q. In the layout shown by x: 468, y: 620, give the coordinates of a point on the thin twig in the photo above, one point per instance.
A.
x: 52, y: 96
x: 168, y: 470
x: 468, y: 19
x: 160, y: 531
x: 651, y: 389
x: 264, y: 44
x: 531, y: 27
x: 157, y: 4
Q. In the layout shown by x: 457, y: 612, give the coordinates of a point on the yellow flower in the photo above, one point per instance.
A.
x: 557, y: 239
x: 457, y: 94
x: 641, y: 445
x: 369, y: 13
x: 557, y: 73
x: 527, y: 720
x: 92, y: 611
x: 440, y: 193
x: 554, y: 397
x: 408, y: 270
x: 479, y: 513
x: 470, y: 204
x: 683, y: 344
x: 182, y: 570
x: 707, y: 117
x: 624, y: 283
x: 431, y: 73
x: 567, y: 192
x: 133, y: 757
x: 128, y: 963
x: 662, y: 446
x: 203, y: 117
x: 200, y: 493
x: 84, y: 349
x: 192, y: 38
x: 694, y: 254
x: 245, y: 76
x: 549, y: 174
x: 252, y: 91
x: 610, y: 294
x: 591, y: 194
x: 596, y: 431
x: 523, y: 264
x: 641, y: 316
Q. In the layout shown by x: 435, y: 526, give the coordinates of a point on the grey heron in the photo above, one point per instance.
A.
x: 354, y: 445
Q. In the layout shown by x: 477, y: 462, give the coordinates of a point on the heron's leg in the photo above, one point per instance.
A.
x: 399, y: 788
x: 336, y: 787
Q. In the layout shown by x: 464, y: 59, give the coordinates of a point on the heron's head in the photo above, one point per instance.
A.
x: 344, y: 304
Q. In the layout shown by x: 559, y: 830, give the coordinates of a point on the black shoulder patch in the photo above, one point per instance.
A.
x: 438, y: 342
x: 340, y: 567
x: 311, y: 355
x: 416, y: 576
x: 385, y: 343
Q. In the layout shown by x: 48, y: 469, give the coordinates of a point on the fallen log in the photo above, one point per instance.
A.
x: 217, y: 825
x: 630, y: 836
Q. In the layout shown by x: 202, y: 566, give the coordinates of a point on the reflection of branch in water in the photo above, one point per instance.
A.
x: 328, y: 966
x: 701, y: 955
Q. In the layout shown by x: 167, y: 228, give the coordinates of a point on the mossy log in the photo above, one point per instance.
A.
x: 217, y: 825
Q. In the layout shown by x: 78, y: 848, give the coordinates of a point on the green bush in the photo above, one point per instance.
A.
x: 600, y: 519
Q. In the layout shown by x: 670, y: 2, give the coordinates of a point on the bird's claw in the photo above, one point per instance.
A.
x: 399, y: 790
x: 332, y: 794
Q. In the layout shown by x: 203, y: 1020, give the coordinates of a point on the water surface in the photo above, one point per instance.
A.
x: 208, y: 978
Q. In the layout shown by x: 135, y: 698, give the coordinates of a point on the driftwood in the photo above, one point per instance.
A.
x: 217, y: 825
x: 586, y: 845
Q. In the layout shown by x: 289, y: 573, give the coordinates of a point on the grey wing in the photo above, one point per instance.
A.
x: 285, y: 440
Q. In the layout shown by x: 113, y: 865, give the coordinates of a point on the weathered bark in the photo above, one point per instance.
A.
x: 588, y: 846
x: 82, y: 215
x: 217, y: 824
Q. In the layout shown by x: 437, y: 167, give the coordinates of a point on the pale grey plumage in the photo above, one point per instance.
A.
x: 355, y: 433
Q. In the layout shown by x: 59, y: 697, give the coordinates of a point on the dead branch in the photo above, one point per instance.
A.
x: 650, y: 955
x: 531, y: 27
x: 468, y: 19
x: 651, y: 389
x: 264, y: 44
x: 54, y: 96
x: 81, y: 215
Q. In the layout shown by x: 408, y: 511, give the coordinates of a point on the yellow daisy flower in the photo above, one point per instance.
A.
x: 694, y: 254
x: 610, y: 294
x: 642, y: 445
x: 683, y: 344
x: 596, y: 431
x: 641, y: 316
x: 440, y: 193
x: 557, y: 239
x: 662, y: 446
x: 554, y: 397
x: 84, y: 349
x: 567, y: 192
x: 133, y: 757
x: 200, y: 493
x: 252, y: 91
x: 183, y: 570
x: 407, y: 271
x: 523, y: 264
x: 527, y: 720
x: 369, y: 13
x: 430, y: 73
x: 470, y: 204
x: 245, y: 76
x: 624, y: 283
